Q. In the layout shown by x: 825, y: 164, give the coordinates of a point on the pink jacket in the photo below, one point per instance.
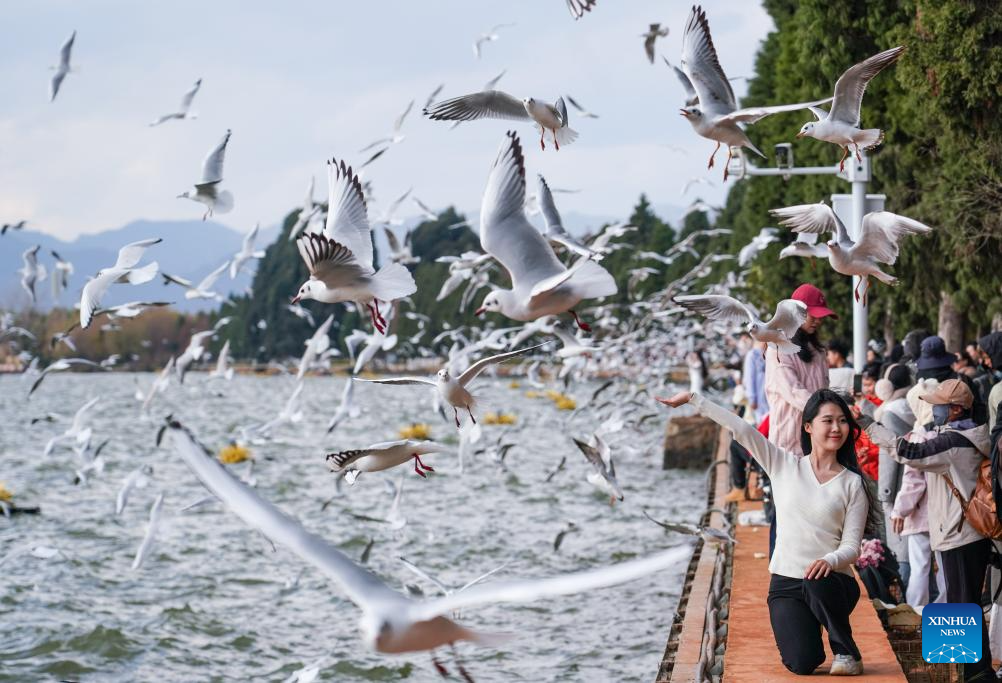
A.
x: 912, y: 504
x: 789, y: 382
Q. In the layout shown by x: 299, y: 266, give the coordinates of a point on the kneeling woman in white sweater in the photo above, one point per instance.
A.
x: 822, y: 509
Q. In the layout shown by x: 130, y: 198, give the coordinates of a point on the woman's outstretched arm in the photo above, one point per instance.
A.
x: 766, y: 453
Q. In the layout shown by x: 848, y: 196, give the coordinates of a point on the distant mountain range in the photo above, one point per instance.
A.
x: 190, y: 249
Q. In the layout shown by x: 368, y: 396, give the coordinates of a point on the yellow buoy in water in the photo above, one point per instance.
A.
x: 514, y: 384
x: 500, y: 419
x: 5, y: 495
x: 416, y: 431
x: 566, y: 403
x: 233, y: 453
x: 553, y: 395
x: 533, y: 394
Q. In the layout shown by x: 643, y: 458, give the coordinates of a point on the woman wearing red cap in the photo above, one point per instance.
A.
x: 791, y: 379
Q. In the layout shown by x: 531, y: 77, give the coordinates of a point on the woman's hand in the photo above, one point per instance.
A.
x: 679, y: 399
x: 898, y: 525
x: 818, y: 569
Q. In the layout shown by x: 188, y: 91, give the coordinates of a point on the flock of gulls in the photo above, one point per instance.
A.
x: 553, y: 294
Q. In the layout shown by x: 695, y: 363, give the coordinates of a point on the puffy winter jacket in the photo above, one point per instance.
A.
x: 956, y: 449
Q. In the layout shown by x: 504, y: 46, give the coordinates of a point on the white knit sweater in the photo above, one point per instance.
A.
x: 813, y: 520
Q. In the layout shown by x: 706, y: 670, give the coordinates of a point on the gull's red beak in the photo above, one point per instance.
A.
x: 480, y: 311
x: 295, y: 299
x: 684, y: 113
x: 799, y: 135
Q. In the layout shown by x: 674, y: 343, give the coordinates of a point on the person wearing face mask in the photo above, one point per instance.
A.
x: 951, y: 457
x: 824, y: 509
x: 990, y: 347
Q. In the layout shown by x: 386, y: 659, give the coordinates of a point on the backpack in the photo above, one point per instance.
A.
x: 980, y: 511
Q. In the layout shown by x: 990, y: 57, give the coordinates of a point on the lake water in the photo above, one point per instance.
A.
x: 211, y: 603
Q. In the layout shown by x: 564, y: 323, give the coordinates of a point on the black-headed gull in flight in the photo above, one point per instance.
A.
x: 716, y: 116
x: 878, y: 240
x: 541, y: 284
x: 840, y: 124
x: 391, y: 622
x: 203, y: 290
x: 454, y: 388
x: 340, y: 260
x: 207, y: 189
x: 246, y: 252
x: 650, y: 36
x: 603, y: 473
x: 183, y: 111
x: 495, y: 104
x: 33, y: 272
x: 124, y: 270
x: 64, y: 67
x: 382, y: 456
x: 778, y: 331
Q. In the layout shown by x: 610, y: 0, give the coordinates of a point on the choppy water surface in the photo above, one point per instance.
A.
x: 212, y: 603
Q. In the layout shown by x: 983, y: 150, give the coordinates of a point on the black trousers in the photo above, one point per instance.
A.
x: 965, y: 577
x: 798, y: 608
x: 740, y: 460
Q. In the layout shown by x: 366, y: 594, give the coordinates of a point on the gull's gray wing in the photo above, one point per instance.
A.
x: 212, y: 167
x: 327, y: 260
x: 362, y: 587
x: 790, y: 315
x: 700, y: 63
x: 717, y: 307
x: 490, y: 104
x: 852, y: 84
x: 881, y: 233
x: 529, y: 590
x: 691, y: 98
x: 579, y: 7
x: 189, y: 96
x: 347, y: 217
x: 753, y: 114
x: 471, y: 372
x: 554, y: 226
x: 505, y: 233
x: 819, y: 218
x: 129, y: 255
x: 397, y: 380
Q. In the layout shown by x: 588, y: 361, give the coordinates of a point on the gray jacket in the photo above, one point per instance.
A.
x: 956, y: 449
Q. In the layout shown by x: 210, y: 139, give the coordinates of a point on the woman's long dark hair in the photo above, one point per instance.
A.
x: 809, y: 344
x: 846, y: 454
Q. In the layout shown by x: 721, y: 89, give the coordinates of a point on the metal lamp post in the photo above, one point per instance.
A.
x: 850, y: 209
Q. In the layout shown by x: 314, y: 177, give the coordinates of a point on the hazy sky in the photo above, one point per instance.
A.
x: 301, y: 82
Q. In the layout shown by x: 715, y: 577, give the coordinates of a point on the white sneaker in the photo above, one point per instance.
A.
x: 846, y: 665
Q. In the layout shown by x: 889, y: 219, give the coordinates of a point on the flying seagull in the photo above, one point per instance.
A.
x: 878, y: 240
x: 453, y: 389
x: 340, y: 260
x: 124, y: 271
x: 63, y: 68
x: 391, y: 622
x: 653, y: 33
x: 32, y: 272
x: 246, y: 252
x: 555, y: 231
x: 840, y: 124
x: 183, y: 110
x: 207, y: 189
x: 790, y: 315
x: 541, y: 284
x: 488, y: 37
x: 715, y: 115
x: 495, y: 104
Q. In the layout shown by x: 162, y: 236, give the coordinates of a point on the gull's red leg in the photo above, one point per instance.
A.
x: 375, y: 304
x: 583, y: 325
x: 418, y: 469
x: 715, y: 150
x: 841, y: 162
x: 422, y: 465
x: 455, y: 411
x: 555, y: 139
x: 542, y: 134
x: 471, y: 414
x: 727, y: 164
